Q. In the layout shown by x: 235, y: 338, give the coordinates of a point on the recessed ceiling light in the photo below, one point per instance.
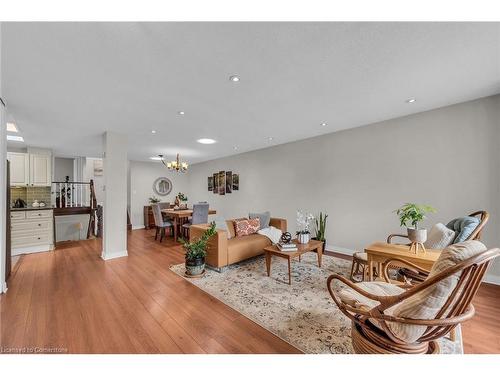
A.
x: 270, y: 138
x: 206, y: 141
x: 153, y: 131
x: 182, y: 113
x: 235, y: 148
x: 323, y: 124
x: 155, y: 158
x: 234, y: 79
x: 11, y: 127
x: 15, y: 138
x: 412, y: 100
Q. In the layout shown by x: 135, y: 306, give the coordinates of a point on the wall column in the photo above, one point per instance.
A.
x: 3, y: 178
x: 115, y: 163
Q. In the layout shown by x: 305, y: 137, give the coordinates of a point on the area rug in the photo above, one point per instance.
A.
x: 302, y: 314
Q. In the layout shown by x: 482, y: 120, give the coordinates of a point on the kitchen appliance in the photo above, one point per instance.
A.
x: 19, y: 203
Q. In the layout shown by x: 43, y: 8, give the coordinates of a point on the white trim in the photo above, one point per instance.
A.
x: 341, y: 250
x: 491, y: 279
x: 31, y: 249
x: 134, y: 227
x: 115, y: 255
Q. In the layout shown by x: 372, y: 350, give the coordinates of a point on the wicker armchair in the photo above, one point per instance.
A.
x: 409, y: 319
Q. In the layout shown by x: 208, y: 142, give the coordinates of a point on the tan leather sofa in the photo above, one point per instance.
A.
x: 222, y: 251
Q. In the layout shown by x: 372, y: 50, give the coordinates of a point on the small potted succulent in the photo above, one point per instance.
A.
x: 410, y: 214
x: 196, y: 252
x: 320, y: 224
x: 303, y: 225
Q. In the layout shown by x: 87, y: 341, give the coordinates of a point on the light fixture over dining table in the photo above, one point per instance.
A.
x: 175, y: 165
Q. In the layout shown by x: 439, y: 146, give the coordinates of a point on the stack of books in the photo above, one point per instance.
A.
x: 287, y: 246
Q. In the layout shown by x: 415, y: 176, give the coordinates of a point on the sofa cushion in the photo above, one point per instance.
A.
x: 264, y: 217
x: 240, y: 248
x: 463, y: 227
x: 439, y: 237
x: 245, y: 227
x: 222, y: 224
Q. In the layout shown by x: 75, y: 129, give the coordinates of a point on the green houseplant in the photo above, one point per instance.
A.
x: 153, y: 200
x: 196, y: 251
x: 410, y: 215
x: 320, y: 224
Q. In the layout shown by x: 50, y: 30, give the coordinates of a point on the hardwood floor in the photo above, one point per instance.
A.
x: 70, y: 300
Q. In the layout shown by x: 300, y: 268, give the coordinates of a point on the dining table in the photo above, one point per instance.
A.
x: 178, y: 215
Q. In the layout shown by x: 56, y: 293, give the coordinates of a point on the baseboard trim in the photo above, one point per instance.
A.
x: 338, y: 249
x: 115, y: 255
x: 31, y: 249
x: 135, y: 227
x: 492, y: 279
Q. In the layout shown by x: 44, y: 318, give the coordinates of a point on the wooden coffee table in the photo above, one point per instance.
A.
x: 312, y: 245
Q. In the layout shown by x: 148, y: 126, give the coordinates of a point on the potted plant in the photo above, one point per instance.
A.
x: 320, y: 222
x: 196, y: 251
x: 410, y: 214
x: 153, y: 200
x: 303, y: 224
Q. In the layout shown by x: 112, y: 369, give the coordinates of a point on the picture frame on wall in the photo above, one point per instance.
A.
x: 229, y: 182
x: 210, y: 183
x: 222, y: 183
x: 236, y: 181
x: 215, y: 178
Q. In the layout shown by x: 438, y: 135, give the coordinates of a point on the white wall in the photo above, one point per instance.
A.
x: 98, y: 180
x: 447, y: 157
x: 142, y: 176
x: 63, y: 167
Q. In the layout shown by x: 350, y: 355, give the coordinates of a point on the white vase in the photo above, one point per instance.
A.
x: 417, y: 235
x: 303, y: 237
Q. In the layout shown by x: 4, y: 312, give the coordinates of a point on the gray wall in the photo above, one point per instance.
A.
x: 446, y: 157
x: 142, y: 176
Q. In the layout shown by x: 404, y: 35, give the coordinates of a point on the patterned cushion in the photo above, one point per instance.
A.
x: 244, y: 227
x: 265, y: 218
x: 439, y: 237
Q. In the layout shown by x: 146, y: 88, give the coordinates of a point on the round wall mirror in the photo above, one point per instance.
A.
x: 162, y: 186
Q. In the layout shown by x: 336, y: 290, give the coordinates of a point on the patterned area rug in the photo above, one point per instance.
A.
x: 302, y: 314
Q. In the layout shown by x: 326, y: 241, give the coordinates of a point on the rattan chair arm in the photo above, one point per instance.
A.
x: 385, y: 267
x: 391, y: 236
x: 353, y: 286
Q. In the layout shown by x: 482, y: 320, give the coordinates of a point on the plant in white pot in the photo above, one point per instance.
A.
x: 303, y: 225
x: 196, y: 251
x: 410, y: 215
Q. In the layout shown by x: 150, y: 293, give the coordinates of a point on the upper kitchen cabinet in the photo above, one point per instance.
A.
x: 40, y: 170
x: 30, y: 169
x: 19, y: 168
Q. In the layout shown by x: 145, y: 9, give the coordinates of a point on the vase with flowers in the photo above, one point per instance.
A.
x: 303, y: 225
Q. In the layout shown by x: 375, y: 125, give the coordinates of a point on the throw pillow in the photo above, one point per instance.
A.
x: 464, y: 227
x: 220, y: 223
x: 244, y: 227
x: 439, y: 237
x: 264, y: 217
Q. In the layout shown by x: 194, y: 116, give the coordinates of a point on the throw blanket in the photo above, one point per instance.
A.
x: 274, y: 234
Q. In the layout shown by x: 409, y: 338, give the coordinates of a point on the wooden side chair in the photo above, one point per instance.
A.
x: 409, y: 319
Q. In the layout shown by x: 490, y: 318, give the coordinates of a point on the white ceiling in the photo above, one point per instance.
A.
x: 66, y: 83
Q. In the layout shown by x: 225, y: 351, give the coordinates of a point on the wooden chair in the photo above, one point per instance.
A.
x: 416, y: 277
x: 380, y: 322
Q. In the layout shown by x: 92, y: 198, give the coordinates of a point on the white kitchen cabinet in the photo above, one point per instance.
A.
x: 19, y: 168
x: 30, y: 169
x: 31, y: 231
x: 40, y: 170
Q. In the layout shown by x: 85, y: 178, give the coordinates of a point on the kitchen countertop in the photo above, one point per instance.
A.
x: 32, y: 208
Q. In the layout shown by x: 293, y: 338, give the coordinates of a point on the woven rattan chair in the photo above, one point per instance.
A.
x: 389, y: 319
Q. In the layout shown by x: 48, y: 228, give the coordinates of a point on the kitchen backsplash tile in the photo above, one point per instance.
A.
x: 30, y: 193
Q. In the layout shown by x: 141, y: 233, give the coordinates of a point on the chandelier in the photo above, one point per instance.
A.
x: 175, y: 165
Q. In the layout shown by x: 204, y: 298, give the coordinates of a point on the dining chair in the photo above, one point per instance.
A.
x: 200, y: 216
x: 160, y: 222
